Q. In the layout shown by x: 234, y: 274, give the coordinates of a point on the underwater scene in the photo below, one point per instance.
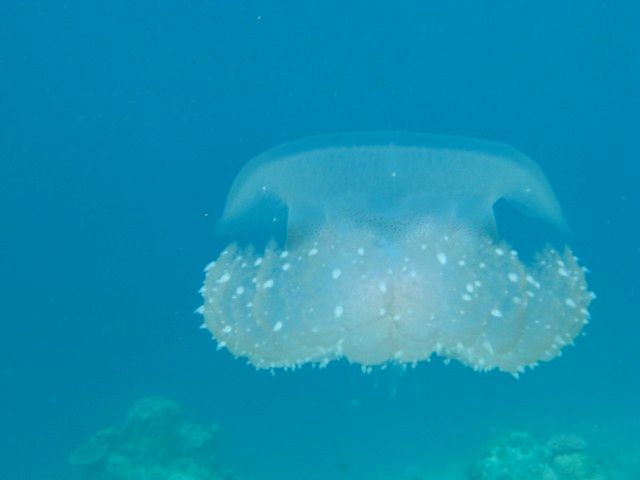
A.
x: 250, y: 240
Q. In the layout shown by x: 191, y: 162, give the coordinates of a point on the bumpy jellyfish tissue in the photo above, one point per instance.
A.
x: 390, y: 254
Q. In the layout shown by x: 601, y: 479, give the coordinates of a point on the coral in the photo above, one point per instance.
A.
x: 578, y: 466
x: 155, y: 443
x: 519, y: 456
x: 566, y: 443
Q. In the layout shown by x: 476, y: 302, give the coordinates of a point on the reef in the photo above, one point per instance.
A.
x: 156, y: 442
x: 520, y: 456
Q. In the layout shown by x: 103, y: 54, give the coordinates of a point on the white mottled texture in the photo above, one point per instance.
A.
x: 391, y: 255
x: 396, y: 302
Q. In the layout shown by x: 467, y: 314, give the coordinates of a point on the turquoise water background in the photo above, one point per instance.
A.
x: 122, y: 126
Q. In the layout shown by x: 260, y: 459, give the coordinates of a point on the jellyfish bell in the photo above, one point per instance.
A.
x: 391, y: 178
x: 383, y: 247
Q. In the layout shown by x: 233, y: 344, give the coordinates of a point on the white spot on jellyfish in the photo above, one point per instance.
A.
x: 496, y: 313
x: 361, y: 251
x: 313, y: 251
x: 383, y: 312
x: 499, y: 252
x: 563, y: 272
x: 336, y: 273
x: 286, y: 266
x: 393, y: 174
x: 442, y: 258
x: 224, y: 278
x: 513, y: 277
x: 268, y: 283
x: 338, y: 311
x: 382, y: 287
x: 570, y: 303
x: 532, y: 281
x: 469, y: 287
x: 284, y: 254
x: 240, y: 290
x: 277, y: 326
x: 488, y: 347
x: 257, y: 262
x: 466, y: 297
x: 227, y: 329
x: 209, y: 266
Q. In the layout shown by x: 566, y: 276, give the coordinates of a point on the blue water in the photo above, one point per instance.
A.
x: 122, y: 126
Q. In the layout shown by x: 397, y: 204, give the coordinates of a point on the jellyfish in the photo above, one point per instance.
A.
x: 382, y: 248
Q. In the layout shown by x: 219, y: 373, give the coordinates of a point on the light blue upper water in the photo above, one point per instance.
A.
x: 122, y: 126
